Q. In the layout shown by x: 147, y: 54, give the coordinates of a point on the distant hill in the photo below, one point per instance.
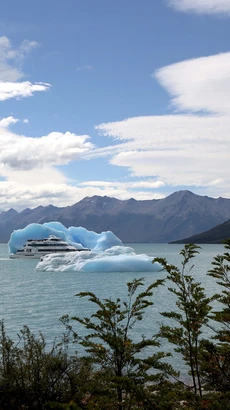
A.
x: 180, y: 215
x: 215, y: 235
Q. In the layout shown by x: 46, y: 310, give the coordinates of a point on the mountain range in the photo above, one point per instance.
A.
x: 179, y: 215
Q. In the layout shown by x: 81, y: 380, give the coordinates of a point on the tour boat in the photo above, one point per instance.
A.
x: 35, y: 248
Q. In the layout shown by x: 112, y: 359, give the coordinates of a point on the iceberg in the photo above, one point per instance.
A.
x: 77, y: 236
x: 106, y: 254
x: 114, y: 259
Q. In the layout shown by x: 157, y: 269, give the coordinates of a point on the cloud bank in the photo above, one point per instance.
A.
x: 30, y: 177
x: 190, y: 149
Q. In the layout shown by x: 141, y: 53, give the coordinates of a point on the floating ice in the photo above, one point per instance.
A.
x: 76, y: 236
x: 114, y: 259
x: 107, y: 253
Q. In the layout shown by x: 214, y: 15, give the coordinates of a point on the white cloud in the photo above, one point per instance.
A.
x: 27, y: 166
x: 19, y: 196
x: 20, y: 90
x: 199, y: 84
x: 166, y: 132
x: 25, y: 121
x: 84, y: 68
x: 11, y: 58
x: 185, y: 167
x: 22, y: 153
x: 5, y: 122
x: 25, y: 47
x: 127, y: 185
x: 202, y: 6
x: 33, y: 178
x: 178, y: 149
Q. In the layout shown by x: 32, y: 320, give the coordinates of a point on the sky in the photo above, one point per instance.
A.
x: 124, y: 98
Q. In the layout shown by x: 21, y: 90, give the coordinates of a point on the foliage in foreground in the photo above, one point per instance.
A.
x: 123, y: 372
x: 191, y: 314
x: 30, y: 375
x: 109, y: 344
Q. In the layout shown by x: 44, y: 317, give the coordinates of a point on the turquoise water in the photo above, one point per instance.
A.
x: 39, y: 299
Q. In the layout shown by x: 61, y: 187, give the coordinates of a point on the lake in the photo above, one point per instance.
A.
x: 39, y: 299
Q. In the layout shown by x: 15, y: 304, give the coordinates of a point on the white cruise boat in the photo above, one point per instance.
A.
x: 36, y: 248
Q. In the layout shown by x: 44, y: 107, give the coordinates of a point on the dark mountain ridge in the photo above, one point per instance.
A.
x: 215, y: 235
x: 181, y: 214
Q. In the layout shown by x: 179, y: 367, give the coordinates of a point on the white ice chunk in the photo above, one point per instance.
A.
x: 114, y: 259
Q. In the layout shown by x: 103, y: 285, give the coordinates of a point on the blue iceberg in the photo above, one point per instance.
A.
x: 106, y: 254
x: 77, y: 236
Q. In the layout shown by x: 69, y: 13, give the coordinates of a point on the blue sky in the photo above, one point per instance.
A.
x: 123, y: 98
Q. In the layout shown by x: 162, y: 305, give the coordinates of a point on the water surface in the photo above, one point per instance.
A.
x: 39, y: 299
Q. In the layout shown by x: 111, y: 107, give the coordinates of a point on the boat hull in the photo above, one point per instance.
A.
x: 38, y: 255
x: 14, y: 256
x: 25, y: 255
